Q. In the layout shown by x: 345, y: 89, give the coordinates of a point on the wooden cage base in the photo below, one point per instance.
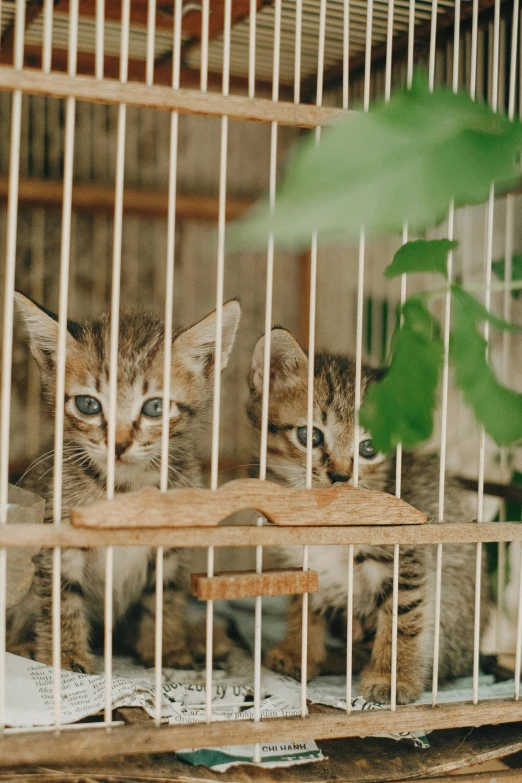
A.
x: 48, y: 748
x: 356, y: 761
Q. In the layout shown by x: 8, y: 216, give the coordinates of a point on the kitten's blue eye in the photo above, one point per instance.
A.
x: 317, y: 436
x: 366, y: 449
x: 89, y: 406
x: 153, y: 408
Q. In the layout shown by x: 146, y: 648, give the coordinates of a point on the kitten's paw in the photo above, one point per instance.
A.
x: 77, y: 661
x: 285, y: 658
x: 376, y: 687
x: 221, y: 646
x: 172, y: 658
x: 177, y: 659
x: 24, y: 649
x: 72, y: 660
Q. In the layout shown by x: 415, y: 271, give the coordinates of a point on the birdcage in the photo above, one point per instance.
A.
x: 133, y: 132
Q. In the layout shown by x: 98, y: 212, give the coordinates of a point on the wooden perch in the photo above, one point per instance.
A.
x: 248, y: 584
x: 96, y: 198
x: 181, y: 508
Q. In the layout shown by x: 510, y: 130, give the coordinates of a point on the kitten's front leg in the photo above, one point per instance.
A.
x: 175, y: 646
x: 176, y: 651
x: 285, y: 657
x: 411, y: 664
x: 74, y: 631
x: 182, y: 647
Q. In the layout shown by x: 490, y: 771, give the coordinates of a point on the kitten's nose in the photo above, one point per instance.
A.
x: 335, y: 477
x: 121, y: 447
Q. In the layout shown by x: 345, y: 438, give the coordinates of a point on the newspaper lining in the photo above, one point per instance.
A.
x: 29, y: 702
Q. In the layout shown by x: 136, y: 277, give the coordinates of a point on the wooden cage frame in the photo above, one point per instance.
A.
x: 96, y: 528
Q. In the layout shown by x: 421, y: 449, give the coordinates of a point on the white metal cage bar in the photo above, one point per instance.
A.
x: 346, y: 53
x: 113, y: 351
x: 443, y: 453
x: 518, y: 654
x: 216, y: 409
x: 151, y: 31
x: 7, y: 332
x: 205, y: 15
x: 506, y: 338
x: 100, y: 42
x: 252, y: 50
x: 482, y: 446
x: 474, y: 51
x: 349, y: 586
x: 297, y: 53
x: 396, y: 551
x: 167, y: 349
x: 258, y: 611
x: 47, y: 36
x: 65, y: 260
x: 445, y: 373
x: 311, y: 368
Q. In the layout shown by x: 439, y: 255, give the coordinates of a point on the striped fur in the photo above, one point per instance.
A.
x: 334, y: 405
x: 138, y: 453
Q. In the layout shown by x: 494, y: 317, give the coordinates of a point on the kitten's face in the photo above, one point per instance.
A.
x: 333, y: 416
x: 139, y: 407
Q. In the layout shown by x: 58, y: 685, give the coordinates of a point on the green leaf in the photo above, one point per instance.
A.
x: 499, y: 268
x: 399, y: 408
x: 476, y: 311
x: 402, y: 161
x: 421, y: 256
x: 496, y: 407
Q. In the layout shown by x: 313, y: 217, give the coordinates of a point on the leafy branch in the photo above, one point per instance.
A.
x: 400, y: 408
x: 405, y: 161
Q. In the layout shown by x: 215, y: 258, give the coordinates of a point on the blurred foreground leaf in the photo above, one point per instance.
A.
x: 421, y: 256
x: 402, y: 161
x: 399, y: 409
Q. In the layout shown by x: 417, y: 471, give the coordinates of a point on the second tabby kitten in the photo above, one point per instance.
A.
x: 333, y: 433
x: 137, y: 464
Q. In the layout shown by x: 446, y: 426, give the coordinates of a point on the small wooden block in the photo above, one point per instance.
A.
x: 248, y: 584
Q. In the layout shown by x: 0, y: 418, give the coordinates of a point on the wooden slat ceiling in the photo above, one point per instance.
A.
x: 191, y: 34
x: 239, y: 40
x: 310, y: 35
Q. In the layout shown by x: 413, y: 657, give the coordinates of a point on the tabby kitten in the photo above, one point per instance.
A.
x: 137, y: 464
x: 333, y: 433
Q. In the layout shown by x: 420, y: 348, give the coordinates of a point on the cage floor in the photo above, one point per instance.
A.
x: 349, y: 761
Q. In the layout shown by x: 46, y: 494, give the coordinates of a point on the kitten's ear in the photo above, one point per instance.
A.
x: 196, y: 346
x: 288, y: 361
x: 42, y: 328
